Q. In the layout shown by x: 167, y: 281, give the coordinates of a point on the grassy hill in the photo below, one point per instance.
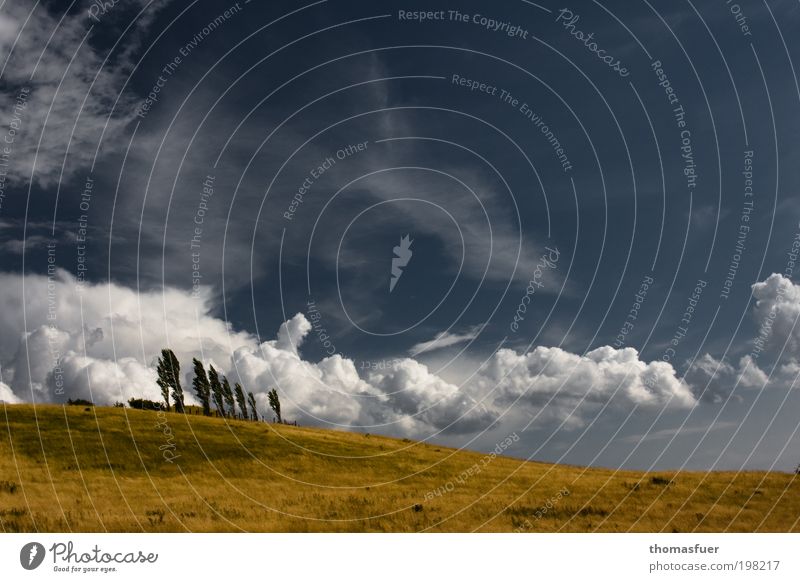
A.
x: 112, y: 469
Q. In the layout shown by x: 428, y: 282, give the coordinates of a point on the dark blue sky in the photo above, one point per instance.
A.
x: 296, y: 144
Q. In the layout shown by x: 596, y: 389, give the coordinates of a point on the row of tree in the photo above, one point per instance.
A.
x: 209, y: 387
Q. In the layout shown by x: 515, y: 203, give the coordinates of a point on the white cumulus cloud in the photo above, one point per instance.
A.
x: 565, y: 386
x: 7, y: 395
x: 777, y: 312
x: 46, y: 321
x: 715, y: 380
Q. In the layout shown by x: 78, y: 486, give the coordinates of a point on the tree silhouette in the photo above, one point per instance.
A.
x: 169, y: 371
x: 216, y: 390
x: 275, y: 403
x: 227, y: 393
x: 240, y: 399
x: 202, y: 386
x: 251, y: 400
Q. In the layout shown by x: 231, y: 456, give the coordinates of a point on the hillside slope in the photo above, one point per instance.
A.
x: 112, y: 469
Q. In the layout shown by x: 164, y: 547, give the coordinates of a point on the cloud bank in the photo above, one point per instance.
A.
x: 101, y: 341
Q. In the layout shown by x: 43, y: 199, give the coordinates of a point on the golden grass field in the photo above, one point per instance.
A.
x: 105, y: 469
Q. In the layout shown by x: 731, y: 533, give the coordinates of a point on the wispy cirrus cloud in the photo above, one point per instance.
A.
x: 73, y: 90
x: 444, y: 339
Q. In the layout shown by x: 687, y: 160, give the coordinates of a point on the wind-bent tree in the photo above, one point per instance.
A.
x: 202, y: 386
x: 227, y: 393
x: 275, y: 403
x: 177, y: 395
x: 165, y: 387
x: 216, y: 390
x: 169, y: 372
x: 251, y: 400
x: 240, y: 399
